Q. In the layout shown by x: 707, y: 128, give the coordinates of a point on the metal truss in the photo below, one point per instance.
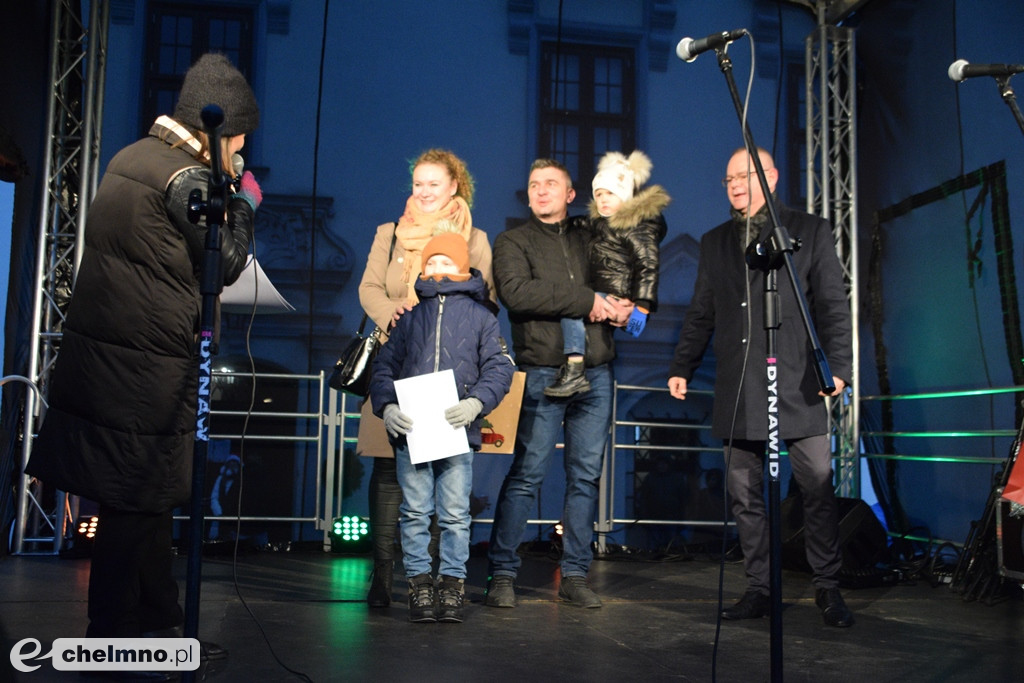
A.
x: 73, y: 118
x: 832, y: 194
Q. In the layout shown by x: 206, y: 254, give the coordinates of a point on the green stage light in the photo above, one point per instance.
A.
x: 350, y: 533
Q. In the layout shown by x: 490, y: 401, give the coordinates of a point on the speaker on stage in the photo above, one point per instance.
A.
x: 862, y: 539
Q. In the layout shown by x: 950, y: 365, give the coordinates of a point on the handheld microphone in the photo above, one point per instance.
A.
x: 238, y: 164
x: 961, y: 70
x: 688, y: 48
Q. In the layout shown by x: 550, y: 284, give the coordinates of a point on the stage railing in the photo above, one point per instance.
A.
x: 999, y: 441
x: 339, y: 425
x: 321, y: 434
x: 313, y: 434
x: 43, y: 529
x: 610, y: 503
x: 337, y: 428
x: 619, y: 443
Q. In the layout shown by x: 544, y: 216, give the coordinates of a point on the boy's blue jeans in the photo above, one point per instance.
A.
x: 442, y: 484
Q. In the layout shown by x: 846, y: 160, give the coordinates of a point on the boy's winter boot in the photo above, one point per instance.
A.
x: 421, y: 599
x: 451, y: 595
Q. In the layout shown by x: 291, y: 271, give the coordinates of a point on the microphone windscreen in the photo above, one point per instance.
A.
x: 956, y: 70
x: 683, y: 49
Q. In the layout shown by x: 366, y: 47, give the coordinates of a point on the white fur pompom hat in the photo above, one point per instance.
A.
x: 622, y: 175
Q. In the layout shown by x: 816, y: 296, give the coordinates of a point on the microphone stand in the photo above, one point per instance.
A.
x: 1006, y: 92
x: 211, y: 283
x: 768, y: 256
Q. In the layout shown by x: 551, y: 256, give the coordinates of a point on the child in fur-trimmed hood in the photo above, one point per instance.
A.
x: 628, y: 227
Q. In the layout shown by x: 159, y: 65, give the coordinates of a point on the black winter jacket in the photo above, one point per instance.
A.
x: 451, y: 328
x: 120, y: 427
x: 541, y: 272
x: 719, y: 311
x: 624, y: 248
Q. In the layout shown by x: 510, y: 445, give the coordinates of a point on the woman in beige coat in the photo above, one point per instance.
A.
x: 441, y: 198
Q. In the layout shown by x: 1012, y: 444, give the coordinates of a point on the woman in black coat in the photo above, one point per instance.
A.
x: 120, y: 428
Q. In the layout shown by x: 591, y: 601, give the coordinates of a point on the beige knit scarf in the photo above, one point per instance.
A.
x: 415, y: 228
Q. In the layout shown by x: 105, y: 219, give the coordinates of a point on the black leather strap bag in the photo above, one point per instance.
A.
x: 351, y: 373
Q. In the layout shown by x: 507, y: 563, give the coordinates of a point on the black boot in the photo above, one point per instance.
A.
x: 571, y: 380
x: 380, y: 585
x: 385, y: 498
x: 422, y: 599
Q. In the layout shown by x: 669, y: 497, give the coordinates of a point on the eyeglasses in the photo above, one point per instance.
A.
x: 739, y: 177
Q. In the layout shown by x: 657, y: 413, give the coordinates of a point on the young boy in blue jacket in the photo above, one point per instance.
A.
x: 450, y: 328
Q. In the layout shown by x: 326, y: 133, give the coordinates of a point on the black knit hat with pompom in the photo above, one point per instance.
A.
x: 213, y: 79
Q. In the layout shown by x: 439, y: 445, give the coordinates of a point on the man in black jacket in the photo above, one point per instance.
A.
x: 728, y: 303
x: 540, y: 271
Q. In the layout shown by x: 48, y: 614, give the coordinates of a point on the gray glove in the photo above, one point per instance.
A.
x: 395, y: 421
x: 464, y: 412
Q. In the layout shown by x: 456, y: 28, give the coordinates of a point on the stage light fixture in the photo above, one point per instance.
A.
x: 87, y: 527
x: 555, y: 537
x: 83, y: 533
x: 351, y: 534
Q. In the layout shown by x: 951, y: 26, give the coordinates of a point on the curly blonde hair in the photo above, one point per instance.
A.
x: 456, y: 169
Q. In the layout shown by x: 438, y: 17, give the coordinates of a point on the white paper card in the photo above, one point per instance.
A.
x: 253, y: 285
x: 424, y: 398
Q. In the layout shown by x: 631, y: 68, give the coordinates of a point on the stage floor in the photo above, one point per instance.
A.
x: 303, y: 611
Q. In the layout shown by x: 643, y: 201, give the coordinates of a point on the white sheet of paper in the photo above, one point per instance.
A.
x: 253, y: 284
x: 424, y: 398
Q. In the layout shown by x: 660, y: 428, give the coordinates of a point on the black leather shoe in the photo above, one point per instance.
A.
x: 833, y: 609
x: 575, y: 591
x: 753, y: 605
x: 500, y: 592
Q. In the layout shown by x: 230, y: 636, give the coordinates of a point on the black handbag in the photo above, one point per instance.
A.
x: 352, y: 371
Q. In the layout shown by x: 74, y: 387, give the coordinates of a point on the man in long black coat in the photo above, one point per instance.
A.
x: 728, y: 306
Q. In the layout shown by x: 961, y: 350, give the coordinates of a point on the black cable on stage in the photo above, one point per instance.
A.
x: 252, y: 363
x: 241, y: 478
x: 971, y: 250
x: 739, y: 387
x: 316, y: 176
